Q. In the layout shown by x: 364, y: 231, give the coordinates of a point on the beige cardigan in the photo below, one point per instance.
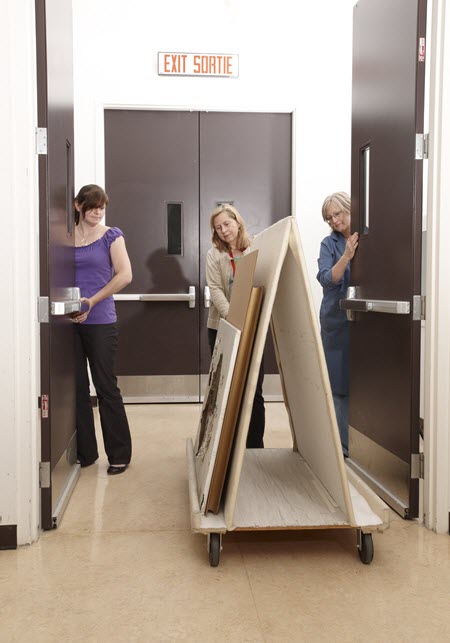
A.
x: 218, y: 275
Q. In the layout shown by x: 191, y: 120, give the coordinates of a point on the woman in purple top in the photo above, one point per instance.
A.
x: 102, y: 268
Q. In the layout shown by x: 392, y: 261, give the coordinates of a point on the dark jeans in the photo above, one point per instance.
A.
x: 341, y: 408
x: 97, y: 343
x: 258, y: 419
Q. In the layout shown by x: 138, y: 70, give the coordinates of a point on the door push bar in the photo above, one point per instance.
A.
x: 71, y: 302
x: 353, y: 304
x: 181, y: 296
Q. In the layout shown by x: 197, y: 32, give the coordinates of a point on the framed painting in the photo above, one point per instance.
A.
x: 234, y: 401
x: 214, y: 406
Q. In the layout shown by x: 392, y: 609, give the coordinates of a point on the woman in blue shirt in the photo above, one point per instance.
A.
x: 336, y: 252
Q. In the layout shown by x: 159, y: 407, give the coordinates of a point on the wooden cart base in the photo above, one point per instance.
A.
x: 279, y: 491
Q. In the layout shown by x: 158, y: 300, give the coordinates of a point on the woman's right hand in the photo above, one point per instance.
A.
x: 81, y: 317
x: 352, y: 244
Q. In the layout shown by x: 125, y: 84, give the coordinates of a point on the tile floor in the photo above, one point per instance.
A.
x: 124, y: 565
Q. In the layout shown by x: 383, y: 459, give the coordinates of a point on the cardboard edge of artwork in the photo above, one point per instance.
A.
x: 295, y: 245
x: 242, y: 289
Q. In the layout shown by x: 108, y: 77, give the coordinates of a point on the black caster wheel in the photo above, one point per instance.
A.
x: 214, y: 549
x: 365, y: 548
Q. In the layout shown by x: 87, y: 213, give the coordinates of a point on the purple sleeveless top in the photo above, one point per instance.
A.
x: 93, y: 270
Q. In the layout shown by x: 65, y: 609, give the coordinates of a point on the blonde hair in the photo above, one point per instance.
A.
x: 339, y: 199
x: 243, y: 239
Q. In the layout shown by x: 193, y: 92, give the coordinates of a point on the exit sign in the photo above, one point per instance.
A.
x: 191, y: 64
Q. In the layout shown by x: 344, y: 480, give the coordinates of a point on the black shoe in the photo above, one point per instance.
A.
x: 114, y: 470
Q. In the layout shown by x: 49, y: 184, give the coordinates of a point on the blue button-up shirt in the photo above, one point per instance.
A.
x: 333, y: 321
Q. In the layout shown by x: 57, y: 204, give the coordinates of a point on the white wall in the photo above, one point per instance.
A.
x: 19, y: 432
x: 286, y: 64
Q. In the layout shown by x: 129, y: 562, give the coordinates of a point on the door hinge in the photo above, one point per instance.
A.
x: 43, y: 310
x: 421, y: 146
x: 44, y: 475
x: 41, y: 140
x: 417, y: 465
x: 419, y: 302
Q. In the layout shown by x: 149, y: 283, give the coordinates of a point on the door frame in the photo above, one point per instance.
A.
x: 271, y: 393
x: 437, y: 326
x: 100, y: 130
x: 19, y: 380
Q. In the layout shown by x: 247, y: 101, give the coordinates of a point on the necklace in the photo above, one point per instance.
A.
x: 84, y: 239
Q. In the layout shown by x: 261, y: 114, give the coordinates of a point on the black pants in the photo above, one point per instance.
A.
x: 98, y: 344
x: 258, y: 419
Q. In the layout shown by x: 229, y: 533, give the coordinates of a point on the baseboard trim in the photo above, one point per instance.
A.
x: 8, y: 536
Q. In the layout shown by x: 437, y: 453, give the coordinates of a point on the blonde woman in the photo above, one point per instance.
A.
x: 336, y: 252
x: 230, y: 241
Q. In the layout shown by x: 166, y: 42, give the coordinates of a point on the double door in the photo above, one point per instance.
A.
x: 165, y: 172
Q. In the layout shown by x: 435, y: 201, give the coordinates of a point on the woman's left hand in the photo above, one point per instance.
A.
x: 78, y: 318
x: 351, y: 245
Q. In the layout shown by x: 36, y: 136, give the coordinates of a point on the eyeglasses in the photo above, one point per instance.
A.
x: 331, y: 217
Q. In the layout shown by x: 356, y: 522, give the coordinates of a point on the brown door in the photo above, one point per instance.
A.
x: 165, y: 173
x: 388, y: 95
x: 151, y: 168
x: 245, y: 158
x: 57, y: 269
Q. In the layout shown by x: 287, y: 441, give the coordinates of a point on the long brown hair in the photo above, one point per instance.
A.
x: 243, y: 239
x: 89, y: 197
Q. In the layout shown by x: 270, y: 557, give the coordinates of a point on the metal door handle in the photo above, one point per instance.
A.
x: 207, y: 297
x: 356, y: 304
x: 181, y: 296
x: 70, y: 305
x: 375, y: 306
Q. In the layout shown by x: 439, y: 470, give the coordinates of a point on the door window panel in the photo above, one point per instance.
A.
x: 365, y: 188
x: 175, y: 228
